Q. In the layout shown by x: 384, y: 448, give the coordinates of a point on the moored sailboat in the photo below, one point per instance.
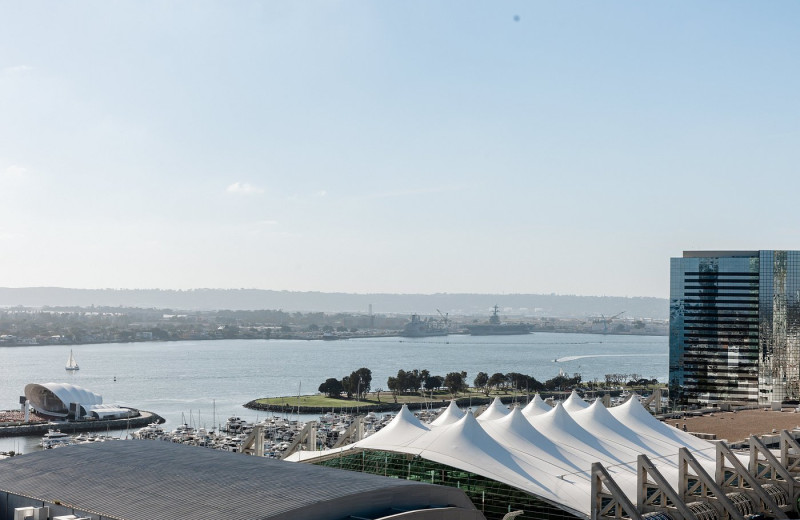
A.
x: 71, y: 364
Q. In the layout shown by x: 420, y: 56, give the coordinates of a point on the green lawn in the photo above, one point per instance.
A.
x: 322, y: 401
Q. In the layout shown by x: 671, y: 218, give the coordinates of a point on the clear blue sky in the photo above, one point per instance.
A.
x: 393, y: 146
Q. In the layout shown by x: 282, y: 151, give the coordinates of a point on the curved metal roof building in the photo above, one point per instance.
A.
x: 54, y: 398
x: 146, y: 480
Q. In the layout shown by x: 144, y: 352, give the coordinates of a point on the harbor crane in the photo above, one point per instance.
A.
x: 606, y: 321
x: 444, y: 317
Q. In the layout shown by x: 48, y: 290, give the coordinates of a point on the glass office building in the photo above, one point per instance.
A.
x: 734, y: 326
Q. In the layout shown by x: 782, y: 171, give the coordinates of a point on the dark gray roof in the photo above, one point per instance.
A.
x: 146, y: 480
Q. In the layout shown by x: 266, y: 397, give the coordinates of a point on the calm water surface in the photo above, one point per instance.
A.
x: 213, y: 379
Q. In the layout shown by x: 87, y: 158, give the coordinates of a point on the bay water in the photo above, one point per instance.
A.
x: 209, y: 381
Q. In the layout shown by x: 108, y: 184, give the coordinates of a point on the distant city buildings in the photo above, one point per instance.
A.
x: 735, y: 326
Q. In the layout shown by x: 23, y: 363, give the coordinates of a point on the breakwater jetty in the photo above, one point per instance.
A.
x: 40, y: 428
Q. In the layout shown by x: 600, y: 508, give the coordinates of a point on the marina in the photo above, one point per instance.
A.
x: 280, y: 436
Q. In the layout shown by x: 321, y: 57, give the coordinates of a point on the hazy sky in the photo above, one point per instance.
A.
x: 393, y: 146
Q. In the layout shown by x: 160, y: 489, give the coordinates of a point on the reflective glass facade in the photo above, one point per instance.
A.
x: 735, y: 326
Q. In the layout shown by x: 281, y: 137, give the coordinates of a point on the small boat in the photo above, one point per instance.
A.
x: 54, y: 438
x: 71, y: 364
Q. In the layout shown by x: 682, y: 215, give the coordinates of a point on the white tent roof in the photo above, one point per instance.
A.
x: 632, y: 414
x: 537, y: 406
x: 110, y: 410
x: 561, y: 427
x: 55, y: 398
x: 606, y: 427
x: 546, y: 453
x: 451, y: 414
x: 496, y: 410
x: 574, y: 403
x: 516, y: 432
x: 401, y: 432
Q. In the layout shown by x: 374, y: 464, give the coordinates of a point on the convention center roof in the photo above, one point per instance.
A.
x: 545, y: 451
x: 142, y: 480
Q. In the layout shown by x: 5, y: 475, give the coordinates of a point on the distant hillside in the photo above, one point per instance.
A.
x: 551, y: 305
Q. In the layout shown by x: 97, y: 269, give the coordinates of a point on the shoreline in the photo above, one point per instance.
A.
x: 378, y: 408
x: 26, y: 430
x: 412, y: 405
x: 318, y: 337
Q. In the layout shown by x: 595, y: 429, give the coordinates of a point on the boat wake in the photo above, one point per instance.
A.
x: 573, y: 358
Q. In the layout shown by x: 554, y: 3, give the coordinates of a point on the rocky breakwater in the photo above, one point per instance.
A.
x: 18, y: 429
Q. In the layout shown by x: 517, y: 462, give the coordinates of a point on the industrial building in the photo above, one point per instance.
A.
x: 577, y: 460
x: 150, y: 480
x: 735, y: 327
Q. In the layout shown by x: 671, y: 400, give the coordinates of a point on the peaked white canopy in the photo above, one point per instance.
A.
x: 495, y: 410
x: 574, y: 403
x: 450, y: 415
x: 537, y: 406
x: 633, y: 414
x: 545, y: 451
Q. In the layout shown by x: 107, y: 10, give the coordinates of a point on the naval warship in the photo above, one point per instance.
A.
x: 495, y: 328
x: 419, y: 328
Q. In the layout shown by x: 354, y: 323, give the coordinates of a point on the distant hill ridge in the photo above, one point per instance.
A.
x: 551, y: 305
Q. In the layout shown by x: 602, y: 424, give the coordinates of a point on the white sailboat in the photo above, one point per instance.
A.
x: 71, y: 364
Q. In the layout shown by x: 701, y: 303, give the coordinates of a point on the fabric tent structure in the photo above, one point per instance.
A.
x: 495, y: 410
x: 450, y: 415
x: 54, y: 400
x: 537, y: 406
x: 543, y: 451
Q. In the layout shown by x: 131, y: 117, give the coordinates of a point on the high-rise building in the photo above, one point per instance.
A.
x: 735, y: 326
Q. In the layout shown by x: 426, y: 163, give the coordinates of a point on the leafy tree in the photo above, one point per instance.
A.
x: 481, y: 381
x: 433, y: 382
x: 415, y: 380
x: 347, y: 386
x: 523, y: 382
x: 424, y: 375
x: 394, y: 386
x: 401, y: 381
x: 497, y: 380
x: 560, y: 382
x: 360, y: 381
x: 332, y: 387
x: 409, y: 381
x: 455, y: 382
